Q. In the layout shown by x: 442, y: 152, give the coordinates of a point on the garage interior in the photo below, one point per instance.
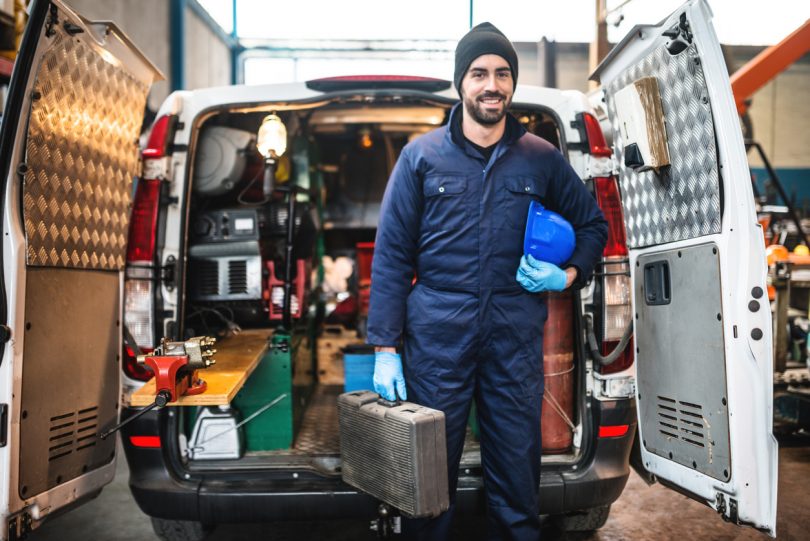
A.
x: 197, y: 44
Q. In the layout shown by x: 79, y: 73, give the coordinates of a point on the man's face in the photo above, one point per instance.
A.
x: 487, y: 89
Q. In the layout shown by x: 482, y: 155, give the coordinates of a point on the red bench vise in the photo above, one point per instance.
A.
x: 175, y: 366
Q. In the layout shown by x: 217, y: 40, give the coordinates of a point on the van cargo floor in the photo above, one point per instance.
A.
x: 319, y: 432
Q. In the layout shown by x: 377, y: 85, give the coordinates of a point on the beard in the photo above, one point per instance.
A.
x: 481, y: 115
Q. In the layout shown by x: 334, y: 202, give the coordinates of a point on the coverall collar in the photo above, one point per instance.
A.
x: 512, y: 132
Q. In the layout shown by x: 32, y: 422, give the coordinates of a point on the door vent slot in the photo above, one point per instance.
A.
x: 71, y: 432
x: 61, y: 435
x: 681, y: 420
x: 207, y: 275
x: 237, y: 277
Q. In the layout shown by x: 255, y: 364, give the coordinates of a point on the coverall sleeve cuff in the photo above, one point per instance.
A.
x: 581, y: 278
x: 382, y: 341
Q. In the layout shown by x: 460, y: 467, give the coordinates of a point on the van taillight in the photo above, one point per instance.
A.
x: 616, y: 291
x: 140, y: 273
x: 596, y: 139
x: 160, y: 138
x: 607, y: 195
x: 131, y: 366
x: 148, y: 442
x: 143, y: 222
x: 139, y: 311
x: 141, y: 278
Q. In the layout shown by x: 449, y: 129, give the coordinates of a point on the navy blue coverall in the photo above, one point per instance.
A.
x: 469, y: 329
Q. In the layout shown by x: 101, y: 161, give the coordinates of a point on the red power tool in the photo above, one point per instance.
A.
x: 175, y: 365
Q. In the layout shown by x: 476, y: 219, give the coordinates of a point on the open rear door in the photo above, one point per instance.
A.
x: 702, y: 318
x: 68, y: 156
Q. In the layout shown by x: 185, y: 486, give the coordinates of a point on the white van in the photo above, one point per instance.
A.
x: 684, y: 265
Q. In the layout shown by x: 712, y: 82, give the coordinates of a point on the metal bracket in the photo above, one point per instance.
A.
x: 680, y: 36
x: 168, y: 273
x: 53, y: 20
x: 19, y: 527
x: 3, y: 425
x: 733, y: 515
x: 72, y: 29
x: 615, y: 387
x: 721, y: 505
x: 280, y: 346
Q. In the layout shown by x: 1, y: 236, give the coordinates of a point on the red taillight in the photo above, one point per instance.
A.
x: 132, y: 368
x: 151, y: 442
x: 607, y: 195
x: 596, y: 139
x: 623, y: 362
x: 349, y: 82
x: 143, y: 222
x: 613, y: 431
x: 616, y: 310
x: 160, y: 137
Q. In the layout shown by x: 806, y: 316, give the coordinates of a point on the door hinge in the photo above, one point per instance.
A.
x: 168, y: 273
x: 72, y: 29
x: 3, y: 425
x: 730, y: 513
x: 680, y: 36
x: 53, y: 20
x: 19, y: 527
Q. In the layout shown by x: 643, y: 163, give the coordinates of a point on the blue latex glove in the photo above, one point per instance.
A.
x: 388, y: 375
x: 537, y: 276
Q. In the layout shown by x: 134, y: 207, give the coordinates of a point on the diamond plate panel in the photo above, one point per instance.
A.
x: 81, y: 157
x: 685, y: 202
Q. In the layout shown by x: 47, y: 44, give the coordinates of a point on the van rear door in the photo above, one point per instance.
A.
x: 68, y: 155
x: 698, y: 268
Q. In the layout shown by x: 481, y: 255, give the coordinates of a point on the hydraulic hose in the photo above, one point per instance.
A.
x: 608, y: 359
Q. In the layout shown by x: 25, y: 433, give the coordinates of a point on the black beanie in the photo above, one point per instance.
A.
x: 480, y: 40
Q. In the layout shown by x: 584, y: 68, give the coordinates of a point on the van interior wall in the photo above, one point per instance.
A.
x: 234, y: 274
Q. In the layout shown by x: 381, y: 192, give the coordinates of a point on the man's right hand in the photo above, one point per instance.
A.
x: 388, y: 378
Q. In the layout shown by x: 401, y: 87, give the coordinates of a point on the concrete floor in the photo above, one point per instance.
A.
x: 642, y: 513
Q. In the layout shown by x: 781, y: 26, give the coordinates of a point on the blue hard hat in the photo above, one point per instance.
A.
x: 549, y: 237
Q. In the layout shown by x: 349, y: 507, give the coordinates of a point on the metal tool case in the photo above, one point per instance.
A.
x: 396, y: 453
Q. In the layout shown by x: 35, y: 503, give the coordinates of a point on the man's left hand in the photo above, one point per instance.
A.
x: 537, y: 276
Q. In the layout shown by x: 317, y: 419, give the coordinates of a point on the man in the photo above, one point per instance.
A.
x: 453, y: 215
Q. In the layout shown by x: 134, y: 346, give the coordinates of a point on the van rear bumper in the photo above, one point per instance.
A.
x: 162, y: 488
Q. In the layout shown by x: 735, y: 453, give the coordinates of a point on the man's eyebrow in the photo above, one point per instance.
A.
x: 503, y: 69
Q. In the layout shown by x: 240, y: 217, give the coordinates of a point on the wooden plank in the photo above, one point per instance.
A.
x: 237, y: 356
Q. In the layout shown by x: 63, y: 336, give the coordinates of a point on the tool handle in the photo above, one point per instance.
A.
x: 161, y: 399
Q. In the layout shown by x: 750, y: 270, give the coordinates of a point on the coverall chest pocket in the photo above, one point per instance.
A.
x: 446, y: 206
x: 515, y: 199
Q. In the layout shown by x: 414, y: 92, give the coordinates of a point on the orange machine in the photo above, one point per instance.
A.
x: 768, y: 64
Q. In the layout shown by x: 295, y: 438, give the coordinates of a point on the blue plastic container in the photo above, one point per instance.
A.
x: 548, y: 237
x: 358, y: 369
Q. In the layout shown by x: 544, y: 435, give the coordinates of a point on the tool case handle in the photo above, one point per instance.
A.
x: 388, y: 403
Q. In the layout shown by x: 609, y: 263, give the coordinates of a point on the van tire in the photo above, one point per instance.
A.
x: 179, y: 530
x: 584, y: 521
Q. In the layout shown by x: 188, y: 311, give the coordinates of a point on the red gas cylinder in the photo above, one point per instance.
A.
x: 558, y: 367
